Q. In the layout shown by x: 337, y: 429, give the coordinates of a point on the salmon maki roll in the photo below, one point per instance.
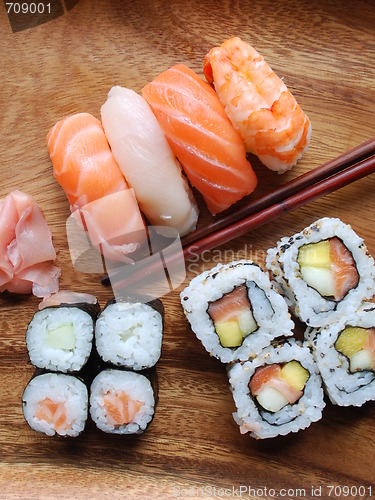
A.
x: 99, y: 195
x: 325, y: 271
x: 122, y: 402
x: 200, y: 134
x: 258, y: 103
x: 54, y: 403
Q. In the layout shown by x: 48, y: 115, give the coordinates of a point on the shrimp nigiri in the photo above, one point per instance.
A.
x: 200, y: 134
x: 258, y: 103
x: 85, y: 168
x: 145, y: 158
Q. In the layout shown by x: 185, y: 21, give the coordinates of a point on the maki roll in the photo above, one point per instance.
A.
x: 235, y: 311
x: 129, y: 334
x: 122, y: 402
x: 325, y: 271
x: 345, y: 355
x: 59, y: 338
x: 55, y: 403
x: 278, y: 392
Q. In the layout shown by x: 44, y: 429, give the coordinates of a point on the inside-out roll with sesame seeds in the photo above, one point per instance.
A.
x: 278, y: 392
x: 235, y: 311
x: 325, y: 271
x: 345, y: 355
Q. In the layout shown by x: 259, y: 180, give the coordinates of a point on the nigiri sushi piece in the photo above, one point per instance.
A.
x: 200, y: 134
x: 82, y: 161
x: 26, y: 249
x: 145, y: 158
x: 258, y: 103
x: 85, y: 168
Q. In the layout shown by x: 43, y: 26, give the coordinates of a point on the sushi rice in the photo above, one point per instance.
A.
x: 66, y: 393
x: 292, y: 417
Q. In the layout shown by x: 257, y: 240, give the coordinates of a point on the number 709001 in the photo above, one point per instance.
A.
x: 28, y: 8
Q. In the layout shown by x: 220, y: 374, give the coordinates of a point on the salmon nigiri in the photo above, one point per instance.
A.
x: 82, y: 160
x: 84, y: 167
x: 147, y: 161
x: 258, y: 103
x: 201, y: 136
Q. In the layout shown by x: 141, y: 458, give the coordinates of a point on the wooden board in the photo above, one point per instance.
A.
x: 324, y: 51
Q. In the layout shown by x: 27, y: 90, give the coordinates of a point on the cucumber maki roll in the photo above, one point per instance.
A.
x: 278, y: 392
x: 325, y: 271
x: 235, y: 311
x: 345, y: 355
x: 55, y: 403
x: 122, y: 402
x: 130, y: 334
x: 59, y: 338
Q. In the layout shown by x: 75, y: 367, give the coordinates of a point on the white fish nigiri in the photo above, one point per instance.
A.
x: 147, y: 161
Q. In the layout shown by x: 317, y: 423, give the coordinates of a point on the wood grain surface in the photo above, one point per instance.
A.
x: 324, y: 51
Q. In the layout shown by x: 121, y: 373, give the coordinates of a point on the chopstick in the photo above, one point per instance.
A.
x: 297, y: 200
x: 313, y: 176
x: 331, y: 176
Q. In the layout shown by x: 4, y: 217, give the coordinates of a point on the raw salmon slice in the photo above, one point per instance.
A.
x: 262, y: 375
x: 82, y: 160
x: 121, y: 409
x: 200, y: 134
x: 54, y: 413
x: 343, y: 267
x: 228, y: 307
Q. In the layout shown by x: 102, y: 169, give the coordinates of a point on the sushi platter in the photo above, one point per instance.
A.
x: 250, y: 371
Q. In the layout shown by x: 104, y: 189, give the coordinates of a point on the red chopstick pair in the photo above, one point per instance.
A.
x: 331, y: 176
